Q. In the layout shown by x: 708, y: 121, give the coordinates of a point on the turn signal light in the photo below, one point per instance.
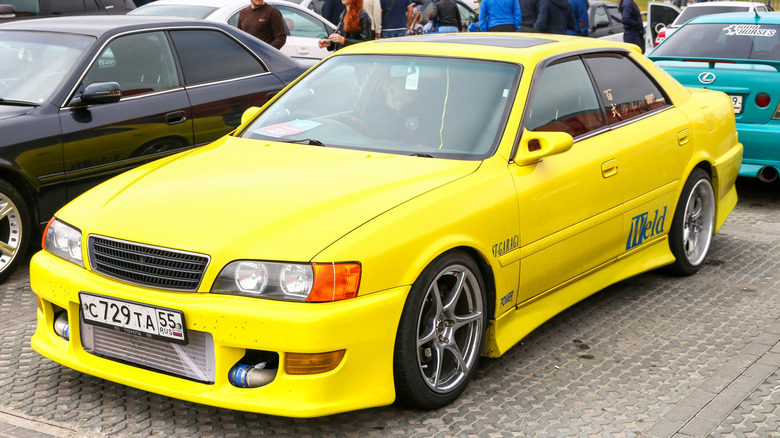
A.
x: 312, y: 363
x: 335, y: 281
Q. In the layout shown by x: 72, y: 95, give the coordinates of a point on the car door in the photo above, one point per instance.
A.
x: 600, y: 24
x: 222, y: 79
x: 569, y: 217
x: 659, y: 15
x: 305, y: 31
x: 654, y: 139
x: 152, y: 119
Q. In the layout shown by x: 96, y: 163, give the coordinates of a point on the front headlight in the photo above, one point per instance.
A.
x: 64, y: 241
x: 289, y: 281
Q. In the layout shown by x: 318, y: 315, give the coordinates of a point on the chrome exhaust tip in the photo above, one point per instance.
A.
x: 61, y: 326
x: 767, y: 174
x: 251, y: 376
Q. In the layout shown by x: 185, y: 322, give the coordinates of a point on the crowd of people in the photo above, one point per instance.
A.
x: 360, y: 20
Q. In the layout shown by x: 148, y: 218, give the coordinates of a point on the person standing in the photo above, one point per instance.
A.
x: 500, y: 16
x: 633, y: 29
x: 264, y: 22
x: 555, y: 16
x: 331, y: 10
x: 396, y: 16
x: 446, y: 16
x: 374, y: 10
x: 354, y: 27
x: 529, y: 9
x: 581, y: 22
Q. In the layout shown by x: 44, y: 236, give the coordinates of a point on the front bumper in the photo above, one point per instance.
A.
x: 365, y: 327
x: 762, y: 147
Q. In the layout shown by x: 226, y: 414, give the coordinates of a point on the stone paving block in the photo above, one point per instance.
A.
x: 716, y: 411
x: 699, y: 426
x: 731, y: 396
x: 697, y: 398
x: 755, y: 348
x: 743, y: 360
x: 768, y: 338
x: 771, y: 359
x: 760, y: 370
x: 681, y: 413
x: 663, y: 429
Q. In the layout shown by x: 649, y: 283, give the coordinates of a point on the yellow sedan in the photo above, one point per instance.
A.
x: 404, y: 208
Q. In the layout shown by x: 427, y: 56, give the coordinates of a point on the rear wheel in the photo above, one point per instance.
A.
x: 15, y: 229
x: 693, y: 224
x: 441, y: 333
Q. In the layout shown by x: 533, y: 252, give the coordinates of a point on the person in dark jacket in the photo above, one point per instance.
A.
x: 581, y: 22
x: 530, y: 11
x: 446, y: 17
x: 264, y: 22
x: 633, y: 29
x: 354, y: 27
x: 332, y: 9
x: 555, y: 16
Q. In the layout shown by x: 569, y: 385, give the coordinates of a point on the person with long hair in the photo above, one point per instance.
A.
x: 354, y: 27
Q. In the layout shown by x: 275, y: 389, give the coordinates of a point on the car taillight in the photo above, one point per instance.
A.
x: 763, y: 100
x: 660, y: 37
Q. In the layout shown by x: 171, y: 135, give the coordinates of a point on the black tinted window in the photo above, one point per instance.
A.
x: 727, y: 41
x: 625, y: 90
x: 565, y: 101
x: 111, y: 4
x: 208, y: 56
x: 24, y: 8
x: 60, y: 7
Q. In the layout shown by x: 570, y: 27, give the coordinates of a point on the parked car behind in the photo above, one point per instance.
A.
x: 22, y: 9
x: 604, y: 19
x: 304, y: 28
x: 698, y: 9
x: 739, y: 54
x: 85, y: 98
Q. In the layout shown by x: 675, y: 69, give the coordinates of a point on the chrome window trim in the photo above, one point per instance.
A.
x: 137, y: 96
x: 130, y: 242
x: 72, y: 92
x: 224, y: 81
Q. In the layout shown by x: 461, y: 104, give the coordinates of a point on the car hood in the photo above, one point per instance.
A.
x: 9, y: 111
x: 255, y: 199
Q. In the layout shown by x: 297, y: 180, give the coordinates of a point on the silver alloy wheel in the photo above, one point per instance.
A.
x: 699, y: 221
x: 10, y: 231
x: 449, y: 328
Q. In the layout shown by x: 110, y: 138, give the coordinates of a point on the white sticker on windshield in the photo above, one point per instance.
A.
x: 413, y: 78
x: 748, y: 30
x: 282, y: 129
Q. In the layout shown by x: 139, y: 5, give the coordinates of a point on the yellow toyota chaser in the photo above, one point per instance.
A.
x: 403, y: 208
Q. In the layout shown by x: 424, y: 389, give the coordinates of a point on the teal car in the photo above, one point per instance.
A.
x: 739, y: 54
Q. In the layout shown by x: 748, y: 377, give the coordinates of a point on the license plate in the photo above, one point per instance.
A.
x: 134, y: 318
x: 736, y: 101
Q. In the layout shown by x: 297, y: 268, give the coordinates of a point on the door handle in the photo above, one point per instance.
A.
x: 609, y: 168
x: 175, y: 117
x: 303, y: 51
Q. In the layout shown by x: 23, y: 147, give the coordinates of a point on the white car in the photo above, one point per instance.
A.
x: 304, y: 28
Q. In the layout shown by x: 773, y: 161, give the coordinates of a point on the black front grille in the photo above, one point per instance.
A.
x: 147, y: 265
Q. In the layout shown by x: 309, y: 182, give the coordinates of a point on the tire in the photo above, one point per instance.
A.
x: 693, y: 224
x: 441, y: 332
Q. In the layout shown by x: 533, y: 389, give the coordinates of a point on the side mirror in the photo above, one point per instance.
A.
x: 534, y: 146
x: 7, y: 11
x: 99, y: 93
x: 249, y: 114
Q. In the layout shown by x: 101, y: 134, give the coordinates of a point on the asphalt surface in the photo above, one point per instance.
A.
x: 654, y: 356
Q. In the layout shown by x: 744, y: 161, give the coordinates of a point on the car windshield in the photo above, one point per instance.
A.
x: 33, y: 64
x: 185, y: 11
x: 723, y: 41
x: 689, y: 13
x: 413, y: 105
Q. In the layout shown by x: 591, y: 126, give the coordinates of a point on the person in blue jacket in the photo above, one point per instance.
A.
x: 500, y: 16
x: 555, y: 16
x: 633, y: 28
x: 581, y: 23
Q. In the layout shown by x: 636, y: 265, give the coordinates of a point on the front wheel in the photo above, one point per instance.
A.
x: 441, y: 333
x: 693, y: 224
x: 15, y: 229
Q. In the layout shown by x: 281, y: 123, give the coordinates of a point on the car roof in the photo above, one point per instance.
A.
x: 99, y: 25
x: 739, y: 18
x: 212, y: 3
x: 508, y: 47
x: 724, y: 4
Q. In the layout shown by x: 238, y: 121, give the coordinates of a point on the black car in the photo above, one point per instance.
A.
x: 85, y: 98
x: 605, y: 19
x: 20, y: 9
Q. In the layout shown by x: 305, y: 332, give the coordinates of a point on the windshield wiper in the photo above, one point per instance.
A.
x: 17, y: 102
x: 309, y: 141
x: 417, y: 154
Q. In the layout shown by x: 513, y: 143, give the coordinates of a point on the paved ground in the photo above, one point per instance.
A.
x: 653, y: 356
